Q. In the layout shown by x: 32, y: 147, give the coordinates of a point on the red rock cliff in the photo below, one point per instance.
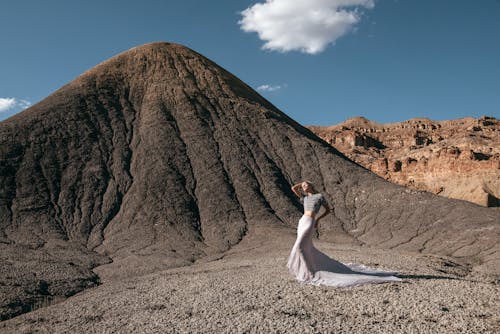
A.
x: 456, y: 158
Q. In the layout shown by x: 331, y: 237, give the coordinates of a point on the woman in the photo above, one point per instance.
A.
x: 311, y: 266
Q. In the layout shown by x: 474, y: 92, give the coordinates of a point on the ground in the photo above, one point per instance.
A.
x: 248, y: 290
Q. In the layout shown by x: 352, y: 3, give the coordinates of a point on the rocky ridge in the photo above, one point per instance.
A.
x: 456, y: 158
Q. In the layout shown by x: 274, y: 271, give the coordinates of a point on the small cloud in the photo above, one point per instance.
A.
x: 270, y: 88
x: 303, y: 25
x: 7, y: 103
x: 24, y: 104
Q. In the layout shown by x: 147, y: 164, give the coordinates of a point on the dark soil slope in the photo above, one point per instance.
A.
x: 158, y: 156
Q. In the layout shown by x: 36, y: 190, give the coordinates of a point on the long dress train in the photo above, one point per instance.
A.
x: 311, y: 266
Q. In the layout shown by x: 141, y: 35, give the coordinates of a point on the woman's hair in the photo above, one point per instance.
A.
x: 311, y: 184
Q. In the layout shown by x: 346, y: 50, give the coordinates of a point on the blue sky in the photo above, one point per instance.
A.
x: 390, y: 60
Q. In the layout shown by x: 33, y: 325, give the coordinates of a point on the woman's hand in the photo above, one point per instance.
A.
x: 296, y: 188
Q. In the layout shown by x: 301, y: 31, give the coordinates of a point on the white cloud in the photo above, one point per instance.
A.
x: 24, y: 104
x: 7, y: 103
x: 304, y: 25
x: 270, y: 88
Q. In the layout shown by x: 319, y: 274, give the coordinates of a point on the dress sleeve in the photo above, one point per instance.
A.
x: 301, y: 199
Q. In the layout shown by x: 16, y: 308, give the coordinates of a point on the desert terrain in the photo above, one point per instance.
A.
x: 248, y: 290
x: 152, y: 194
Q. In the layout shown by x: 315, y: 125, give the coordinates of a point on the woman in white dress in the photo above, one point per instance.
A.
x: 311, y: 266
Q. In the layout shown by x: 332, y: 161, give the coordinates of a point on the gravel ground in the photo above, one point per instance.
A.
x: 248, y: 290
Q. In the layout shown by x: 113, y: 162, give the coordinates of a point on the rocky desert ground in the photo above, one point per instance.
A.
x: 248, y: 290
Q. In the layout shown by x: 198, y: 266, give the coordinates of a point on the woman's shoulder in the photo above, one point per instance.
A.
x: 319, y: 197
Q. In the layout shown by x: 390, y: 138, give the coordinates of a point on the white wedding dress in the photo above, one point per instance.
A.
x: 311, y: 266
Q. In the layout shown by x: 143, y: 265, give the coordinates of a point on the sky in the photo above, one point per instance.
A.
x: 319, y: 61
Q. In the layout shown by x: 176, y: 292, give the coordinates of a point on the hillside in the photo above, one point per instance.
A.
x: 158, y: 157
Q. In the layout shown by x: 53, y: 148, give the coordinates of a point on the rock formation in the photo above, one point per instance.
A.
x: 158, y: 157
x: 456, y: 159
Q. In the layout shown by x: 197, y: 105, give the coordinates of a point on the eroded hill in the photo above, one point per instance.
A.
x: 158, y: 157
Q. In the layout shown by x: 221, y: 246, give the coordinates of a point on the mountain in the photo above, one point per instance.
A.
x: 456, y: 158
x: 158, y: 157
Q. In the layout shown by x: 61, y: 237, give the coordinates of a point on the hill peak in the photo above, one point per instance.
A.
x: 160, y: 68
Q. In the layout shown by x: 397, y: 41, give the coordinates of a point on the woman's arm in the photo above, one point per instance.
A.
x: 327, y: 211
x: 296, y: 189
